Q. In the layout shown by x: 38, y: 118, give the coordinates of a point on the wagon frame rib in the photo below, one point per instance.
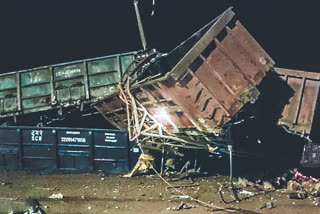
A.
x: 137, y: 115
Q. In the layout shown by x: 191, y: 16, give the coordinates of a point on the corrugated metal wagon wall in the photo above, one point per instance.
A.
x: 49, y: 149
x: 204, y: 89
x: 66, y: 84
x: 298, y: 114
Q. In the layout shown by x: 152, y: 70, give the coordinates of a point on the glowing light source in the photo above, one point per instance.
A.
x: 163, y: 118
x: 162, y: 115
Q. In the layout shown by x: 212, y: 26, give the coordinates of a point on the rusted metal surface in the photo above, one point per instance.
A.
x: 298, y: 114
x: 202, y: 92
x: 67, y: 84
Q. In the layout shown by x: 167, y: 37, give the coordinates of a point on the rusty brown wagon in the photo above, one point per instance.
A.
x: 298, y: 114
x: 187, y: 96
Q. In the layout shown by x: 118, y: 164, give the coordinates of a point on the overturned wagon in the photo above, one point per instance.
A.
x: 184, y: 98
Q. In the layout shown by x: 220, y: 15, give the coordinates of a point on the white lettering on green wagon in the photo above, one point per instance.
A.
x: 110, y: 137
x: 73, y: 140
x: 68, y: 71
x: 36, y: 135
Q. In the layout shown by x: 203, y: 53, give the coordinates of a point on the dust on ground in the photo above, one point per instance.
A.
x: 94, y: 193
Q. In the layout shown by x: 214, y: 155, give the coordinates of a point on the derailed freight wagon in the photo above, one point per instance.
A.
x: 187, y: 97
x: 184, y: 98
x: 301, y: 115
x: 298, y: 114
x: 61, y: 85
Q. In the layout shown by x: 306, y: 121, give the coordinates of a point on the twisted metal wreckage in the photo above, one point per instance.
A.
x: 175, y: 98
x: 187, y: 97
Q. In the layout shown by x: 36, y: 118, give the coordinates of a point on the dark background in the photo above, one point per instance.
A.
x: 36, y: 33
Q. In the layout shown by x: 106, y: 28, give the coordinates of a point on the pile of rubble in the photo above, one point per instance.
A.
x: 301, y: 187
x: 294, y: 184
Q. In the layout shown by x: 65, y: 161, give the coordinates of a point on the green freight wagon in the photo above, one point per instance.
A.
x: 61, y: 85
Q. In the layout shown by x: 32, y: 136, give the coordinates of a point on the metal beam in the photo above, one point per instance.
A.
x: 199, y: 47
x: 143, y: 39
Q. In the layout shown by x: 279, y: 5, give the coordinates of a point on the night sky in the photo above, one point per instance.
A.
x: 36, y: 33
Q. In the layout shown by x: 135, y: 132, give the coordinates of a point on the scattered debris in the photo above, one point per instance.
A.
x: 181, y: 186
x: 298, y: 195
x: 299, y: 177
x: 144, y: 164
x: 268, y: 186
x: 49, y: 189
x: 189, y: 174
x: 170, y: 163
x: 268, y: 205
x: 301, y: 186
x: 293, y: 185
x: 245, y: 192
x: 11, y: 199
x: 242, y: 182
x: 5, y: 183
x: 33, y: 209
x: 180, y: 196
x: 313, y: 188
x: 182, y: 206
x: 57, y: 196
x: 234, y: 192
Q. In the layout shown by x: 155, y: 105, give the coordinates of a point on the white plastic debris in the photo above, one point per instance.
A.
x: 180, y: 196
x: 56, y: 196
x: 245, y: 192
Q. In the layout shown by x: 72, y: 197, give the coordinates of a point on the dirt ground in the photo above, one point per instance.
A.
x: 94, y: 193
